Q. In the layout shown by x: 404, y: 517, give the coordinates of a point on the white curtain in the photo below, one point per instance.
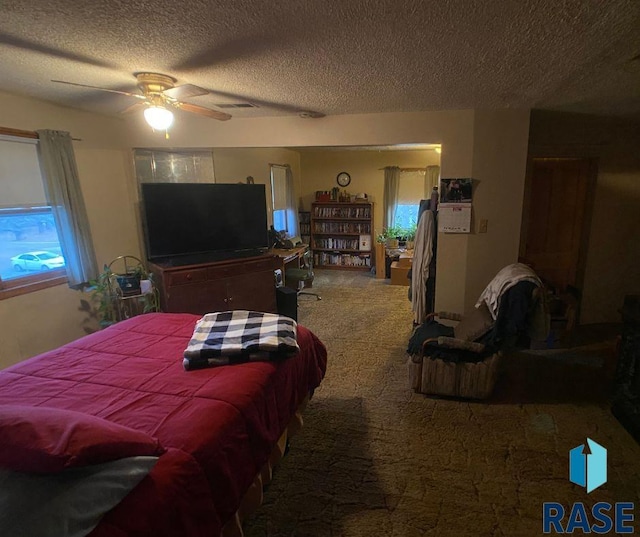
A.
x: 284, y: 197
x: 431, y: 179
x: 62, y: 188
x: 390, y: 196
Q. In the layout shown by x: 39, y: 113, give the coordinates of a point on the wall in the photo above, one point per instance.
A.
x: 36, y: 322
x: 499, y: 168
x: 612, y: 270
x: 320, y: 167
x: 232, y: 165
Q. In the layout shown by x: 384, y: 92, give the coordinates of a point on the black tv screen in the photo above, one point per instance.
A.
x: 182, y: 219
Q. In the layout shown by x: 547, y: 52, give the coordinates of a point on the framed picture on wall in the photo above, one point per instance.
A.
x: 456, y: 190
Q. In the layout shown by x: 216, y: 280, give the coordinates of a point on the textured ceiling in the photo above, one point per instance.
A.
x: 354, y: 56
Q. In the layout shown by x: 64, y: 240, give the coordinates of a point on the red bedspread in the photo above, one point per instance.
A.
x: 218, y: 425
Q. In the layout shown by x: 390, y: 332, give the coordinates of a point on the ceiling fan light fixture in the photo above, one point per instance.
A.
x: 158, y: 117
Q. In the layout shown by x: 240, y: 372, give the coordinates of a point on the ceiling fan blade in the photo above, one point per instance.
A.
x: 195, y: 109
x: 26, y: 44
x: 184, y: 91
x: 136, y: 95
x: 134, y: 108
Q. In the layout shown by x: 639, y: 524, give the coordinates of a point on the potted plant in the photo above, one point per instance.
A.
x: 104, y: 300
x: 118, y: 296
x: 393, y: 236
x: 410, y: 236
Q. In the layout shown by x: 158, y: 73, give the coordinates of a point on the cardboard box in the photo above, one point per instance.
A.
x: 399, y: 274
x: 405, y: 260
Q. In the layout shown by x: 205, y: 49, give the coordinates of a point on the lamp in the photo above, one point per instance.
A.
x: 158, y: 117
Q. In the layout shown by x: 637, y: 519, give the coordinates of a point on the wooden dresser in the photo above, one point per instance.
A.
x: 234, y: 284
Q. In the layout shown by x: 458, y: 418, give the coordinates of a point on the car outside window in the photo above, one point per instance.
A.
x: 46, y: 255
x: 26, y: 222
x: 33, y: 230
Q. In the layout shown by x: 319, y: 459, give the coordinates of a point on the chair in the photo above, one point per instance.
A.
x: 463, y: 361
x: 302, y: 277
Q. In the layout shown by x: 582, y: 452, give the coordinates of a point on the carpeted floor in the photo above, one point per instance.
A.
x: 375, y: 459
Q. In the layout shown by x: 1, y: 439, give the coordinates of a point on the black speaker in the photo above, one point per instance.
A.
x: 287, y: 300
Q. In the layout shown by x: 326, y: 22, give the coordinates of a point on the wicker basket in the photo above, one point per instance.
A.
x: 463, y: 379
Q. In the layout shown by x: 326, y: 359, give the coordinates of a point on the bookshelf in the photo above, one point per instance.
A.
x: 304, y: 220
x: 341, y: 235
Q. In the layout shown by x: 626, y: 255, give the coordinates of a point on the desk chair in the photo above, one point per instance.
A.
x: 299, y: 278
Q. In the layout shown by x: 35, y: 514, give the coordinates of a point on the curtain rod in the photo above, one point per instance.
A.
x: 407, y: 169
x: 281, y: 165
x: 25, y: 134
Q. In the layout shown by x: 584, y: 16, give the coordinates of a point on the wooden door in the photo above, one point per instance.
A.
x: 555, y: 217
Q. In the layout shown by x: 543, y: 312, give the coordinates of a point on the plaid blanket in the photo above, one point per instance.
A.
x: 233, y: 337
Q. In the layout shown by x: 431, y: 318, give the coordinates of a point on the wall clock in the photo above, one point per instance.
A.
x: 343, y: 179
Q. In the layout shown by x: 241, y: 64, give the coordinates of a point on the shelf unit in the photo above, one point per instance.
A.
x: 341, y: 235
x: 304, y: 220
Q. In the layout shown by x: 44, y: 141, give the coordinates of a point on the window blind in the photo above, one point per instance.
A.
x: 20, y: 178
x: 411, y: 188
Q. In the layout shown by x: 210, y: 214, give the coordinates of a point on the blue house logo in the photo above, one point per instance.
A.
x: 588, y: 465
x: 588, y: 468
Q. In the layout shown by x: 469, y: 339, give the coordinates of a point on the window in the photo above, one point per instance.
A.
x: 279, y: 197
x: 174, y: 166
x: 410, y: 192
x: 406, y: 215
x: 30, y: 253
x: 285, y: 214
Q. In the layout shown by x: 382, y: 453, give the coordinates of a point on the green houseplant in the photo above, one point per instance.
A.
x: 102, y: 305
x: 393, y: 234
x: 118, y: 296
x: 409, y: 235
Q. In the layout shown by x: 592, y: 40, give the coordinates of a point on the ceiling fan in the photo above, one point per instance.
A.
x: 159, y: 95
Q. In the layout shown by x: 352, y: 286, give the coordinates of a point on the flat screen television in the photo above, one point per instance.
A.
x: 199, y: 222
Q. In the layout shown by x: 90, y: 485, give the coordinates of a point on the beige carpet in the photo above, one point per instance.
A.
x: 375, y: 459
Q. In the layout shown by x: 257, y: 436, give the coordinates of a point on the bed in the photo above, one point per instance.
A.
x: 215, y: 430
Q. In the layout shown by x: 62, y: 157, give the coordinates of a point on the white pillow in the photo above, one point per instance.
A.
x: 68, y: 503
